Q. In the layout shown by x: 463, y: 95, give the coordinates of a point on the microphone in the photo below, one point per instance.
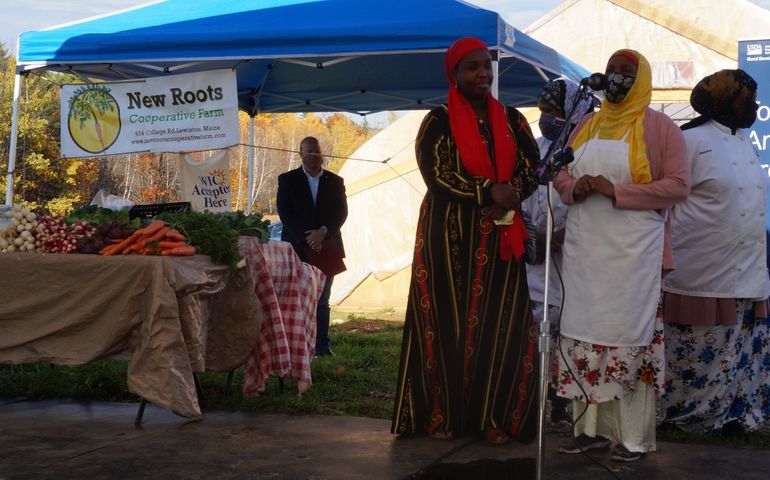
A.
x: 545, y: 172
x: 597, y: 81
x: 562, y: 158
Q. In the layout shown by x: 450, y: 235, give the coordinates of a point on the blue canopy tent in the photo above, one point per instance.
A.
x: 296, y: 55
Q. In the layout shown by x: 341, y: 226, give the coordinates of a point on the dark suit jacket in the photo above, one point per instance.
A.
x: 295, y: 207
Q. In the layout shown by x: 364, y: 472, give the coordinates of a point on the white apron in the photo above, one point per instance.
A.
x: 612, y: 258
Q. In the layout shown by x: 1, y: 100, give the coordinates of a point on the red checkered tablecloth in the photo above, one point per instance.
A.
x: 288, y: 290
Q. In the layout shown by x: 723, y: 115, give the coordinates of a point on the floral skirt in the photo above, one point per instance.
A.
x: 717, y: 374
x: 608, y: 373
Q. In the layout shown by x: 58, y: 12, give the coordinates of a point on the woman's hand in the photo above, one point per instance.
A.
x: 505, y: 195
x: 583, y: 188
x: 603, y: 186
x: 494, y: 211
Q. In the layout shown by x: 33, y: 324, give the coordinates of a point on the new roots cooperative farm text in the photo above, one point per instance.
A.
x: 178, y: 97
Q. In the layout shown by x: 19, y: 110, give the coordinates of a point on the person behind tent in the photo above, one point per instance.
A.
x: 556, y: 101
x: 630, y: 166
x: 313, y: 207
x: 468, y: 357
x: 715, y: 302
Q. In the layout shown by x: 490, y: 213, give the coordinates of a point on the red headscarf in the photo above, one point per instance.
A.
x: 473, y: 153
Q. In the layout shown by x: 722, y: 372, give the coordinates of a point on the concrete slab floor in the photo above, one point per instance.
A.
x: 97, y: 440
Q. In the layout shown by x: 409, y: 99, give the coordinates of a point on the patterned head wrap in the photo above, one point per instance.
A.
x: 562, y: 94
x: 727, y: 97
x: 554, y: 93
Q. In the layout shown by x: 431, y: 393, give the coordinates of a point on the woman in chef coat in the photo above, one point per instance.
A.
x: 715, y: 302
x: 630, y: 166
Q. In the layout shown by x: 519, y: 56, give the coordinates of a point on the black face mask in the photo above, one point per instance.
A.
x: 550, y: 126
x: 618, y: 86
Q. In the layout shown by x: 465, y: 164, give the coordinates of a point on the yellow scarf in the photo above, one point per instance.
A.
x: 614, y: 119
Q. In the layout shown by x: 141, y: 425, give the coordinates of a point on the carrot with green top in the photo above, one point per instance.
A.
x: 152, y: 228
x: 165, y: 245
x: 119, y: 247
x: 108, y: 249
x: 155, y: 237
x: 187, y: 250
x: 174, y: 235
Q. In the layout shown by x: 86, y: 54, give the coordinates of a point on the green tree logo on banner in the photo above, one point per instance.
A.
x: 94, y: 118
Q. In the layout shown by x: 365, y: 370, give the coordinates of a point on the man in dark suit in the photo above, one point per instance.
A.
x: 313, y: 206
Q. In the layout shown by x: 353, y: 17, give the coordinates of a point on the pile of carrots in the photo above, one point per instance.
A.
x: 154, y: 239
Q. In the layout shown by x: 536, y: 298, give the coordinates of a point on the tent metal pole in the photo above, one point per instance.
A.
x: 542, y: 73
x: 495, y: 70
x: 251, y: 165
x: 14, y: 135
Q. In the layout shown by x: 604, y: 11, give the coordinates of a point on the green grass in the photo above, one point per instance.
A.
x: 102, y: 380
x: 359, y: 381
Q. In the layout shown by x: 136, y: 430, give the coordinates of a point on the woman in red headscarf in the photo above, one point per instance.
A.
x: 468, y: 356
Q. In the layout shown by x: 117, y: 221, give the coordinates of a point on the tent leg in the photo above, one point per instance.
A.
x: 12, y: 145
x: 199, y: 390
x: 140, y: 413
x: 251, y: 165
x: 495, y: 72
x: 228, y: 383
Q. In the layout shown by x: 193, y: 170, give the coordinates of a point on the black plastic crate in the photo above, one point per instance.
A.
x: 148, y: 211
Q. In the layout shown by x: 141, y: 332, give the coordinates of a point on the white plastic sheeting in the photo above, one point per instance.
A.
x: 684, y: 40
x: 384, y: 189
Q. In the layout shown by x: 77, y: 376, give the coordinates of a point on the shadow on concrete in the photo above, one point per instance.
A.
x: 97, y: 440
x: 482, y: 469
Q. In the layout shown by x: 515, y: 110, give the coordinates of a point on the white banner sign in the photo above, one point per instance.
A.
x: 206, y: 182
x: 195, y: 111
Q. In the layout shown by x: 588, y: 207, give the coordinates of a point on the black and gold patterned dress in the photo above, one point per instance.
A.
x: 469, y: 356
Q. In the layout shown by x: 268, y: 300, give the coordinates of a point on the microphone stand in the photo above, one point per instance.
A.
x: 555, y: 159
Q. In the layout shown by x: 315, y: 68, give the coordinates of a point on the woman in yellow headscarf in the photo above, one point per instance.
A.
x: 630, y: 166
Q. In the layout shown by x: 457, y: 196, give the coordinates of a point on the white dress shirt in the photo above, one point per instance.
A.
x: 718, y: 233
x: 313, y: 181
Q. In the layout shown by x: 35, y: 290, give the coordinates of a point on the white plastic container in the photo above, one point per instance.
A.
x: 4, y: 221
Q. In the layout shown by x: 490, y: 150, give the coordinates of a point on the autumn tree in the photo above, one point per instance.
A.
x: 42, y: 178
x: 276, y: 146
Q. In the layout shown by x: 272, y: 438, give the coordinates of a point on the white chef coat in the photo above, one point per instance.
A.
x: 718, y: 233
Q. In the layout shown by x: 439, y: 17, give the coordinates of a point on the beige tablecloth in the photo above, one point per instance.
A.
x: 175, y: 315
